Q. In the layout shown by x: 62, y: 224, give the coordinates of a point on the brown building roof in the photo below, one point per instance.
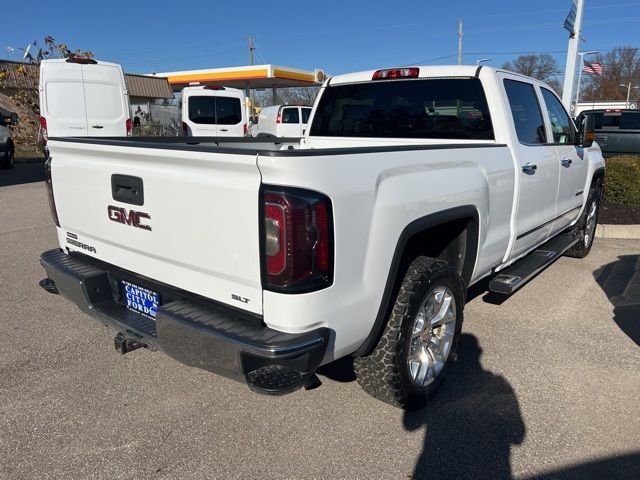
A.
x: 137, y: 85
x: 150, y: 87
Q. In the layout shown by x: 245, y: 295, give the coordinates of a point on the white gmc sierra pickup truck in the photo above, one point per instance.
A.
x: 262, y: 260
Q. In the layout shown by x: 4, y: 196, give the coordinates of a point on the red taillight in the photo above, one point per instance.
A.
x: 279, y: 117
x: 129, y: 126
x: 45, y: 134
x: 245, y: 128
x: 393, y: 73
x: 49, y: 184
x: 297, y: 240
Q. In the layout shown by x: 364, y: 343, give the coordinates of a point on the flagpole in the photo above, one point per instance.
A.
x: 581, y: 54
x: 572, y: 54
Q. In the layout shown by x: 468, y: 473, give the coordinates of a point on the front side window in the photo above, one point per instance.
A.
x: 443, y: 108
x: 561, y: 125
x: 290, y: 115
x: 526, y: 113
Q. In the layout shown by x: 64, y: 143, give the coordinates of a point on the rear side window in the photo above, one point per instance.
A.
x: 228, y: 111
x: 290, y: 115
x: 202, y: 110
x: 561, y: 125
x: 65, y: 100
x: 207, y: 110
x: 452, y: 108
x: 306, y: 113
x: 526, y: 113
x: 104, y: 101
x: 630, y: 121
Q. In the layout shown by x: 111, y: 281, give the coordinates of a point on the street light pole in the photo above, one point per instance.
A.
x: 581, y: 54
x: 460, y: 42
x: 572, y: 53
x: 629, y: 87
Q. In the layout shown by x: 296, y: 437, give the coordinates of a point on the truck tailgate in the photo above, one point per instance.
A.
x: 202, y: 209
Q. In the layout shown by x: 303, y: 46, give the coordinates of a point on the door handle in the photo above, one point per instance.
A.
x: 224, y: 129
x: 97, y: 126
x: 529, y: 168
x: 566, y: 162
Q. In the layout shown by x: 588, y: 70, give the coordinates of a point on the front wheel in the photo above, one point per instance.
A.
x: 418, y: 343
x: 585, y: 228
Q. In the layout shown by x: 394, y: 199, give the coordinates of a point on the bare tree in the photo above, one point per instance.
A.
x: 287, y: 96
x: 543, y: 67
x: 620, y: 65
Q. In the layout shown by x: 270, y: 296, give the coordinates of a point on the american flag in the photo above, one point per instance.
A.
x: 592, y: 68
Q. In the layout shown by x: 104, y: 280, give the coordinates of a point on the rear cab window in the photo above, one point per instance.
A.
x: 450, y: 108
x: 616, y: 120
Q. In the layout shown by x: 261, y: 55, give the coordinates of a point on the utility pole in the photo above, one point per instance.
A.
x: 252, y: 47
x: 459, y: 42
x: 248, y: 91
x: 629, y: 87
x: 572, y: 54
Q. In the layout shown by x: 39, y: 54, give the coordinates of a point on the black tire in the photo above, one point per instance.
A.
x: 385, y: 373
x: 580, y: 230
x: 8, y: 157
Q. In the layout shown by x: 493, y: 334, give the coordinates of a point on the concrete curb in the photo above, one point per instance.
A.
x: 618, y: 231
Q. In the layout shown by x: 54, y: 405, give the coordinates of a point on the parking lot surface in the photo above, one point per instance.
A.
x: 546, y: 386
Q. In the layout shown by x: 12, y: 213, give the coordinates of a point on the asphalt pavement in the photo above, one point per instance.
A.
x: 547, y: 386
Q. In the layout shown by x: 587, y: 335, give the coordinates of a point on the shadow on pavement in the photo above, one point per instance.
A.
x: 340, y: 371
x: 471, y: 422
x: 620, y: 280
x: 21, y: 173
x: 622, y: 467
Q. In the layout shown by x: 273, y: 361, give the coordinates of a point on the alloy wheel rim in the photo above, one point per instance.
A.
x: 432, y: 335
x: 591, y: 224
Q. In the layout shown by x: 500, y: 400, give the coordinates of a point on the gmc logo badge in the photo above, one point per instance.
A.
x: 128, y: 217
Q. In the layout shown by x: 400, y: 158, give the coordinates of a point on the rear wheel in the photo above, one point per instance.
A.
x: 585, y: 228
x: 419, y: 340
x: 8, y: 157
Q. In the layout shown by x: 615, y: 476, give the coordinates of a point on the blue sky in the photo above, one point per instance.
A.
x: 338, y: 36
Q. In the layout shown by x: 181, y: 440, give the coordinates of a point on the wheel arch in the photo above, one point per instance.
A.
x: 457, y: 236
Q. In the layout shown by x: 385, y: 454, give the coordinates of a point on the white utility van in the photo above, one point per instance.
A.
x: 82, y: 97
x: 282, y: 121
x: 214, y: 112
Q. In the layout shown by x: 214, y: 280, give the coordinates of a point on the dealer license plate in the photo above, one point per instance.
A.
x: 139, y: 299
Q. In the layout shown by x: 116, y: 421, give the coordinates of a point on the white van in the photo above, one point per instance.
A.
x: 83, y: 97
x: 282, y: 121
x: 214, y: 112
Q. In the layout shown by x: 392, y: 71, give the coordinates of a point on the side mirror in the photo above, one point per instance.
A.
x: 587, y: 132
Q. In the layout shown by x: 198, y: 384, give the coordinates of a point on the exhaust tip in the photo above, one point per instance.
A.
x: 49, y: 286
